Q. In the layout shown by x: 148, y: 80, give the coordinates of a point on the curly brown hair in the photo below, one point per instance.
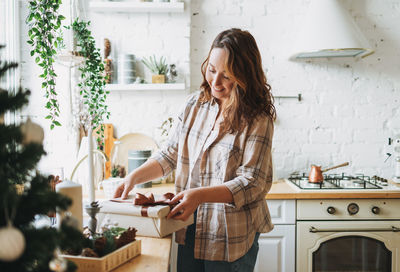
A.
x: 252, y: 96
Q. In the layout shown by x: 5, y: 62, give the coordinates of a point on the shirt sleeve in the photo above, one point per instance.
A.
x: 168, y: 154
x: 254, y: 176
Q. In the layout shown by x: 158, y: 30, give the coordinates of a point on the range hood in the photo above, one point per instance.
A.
x: 329, y: 31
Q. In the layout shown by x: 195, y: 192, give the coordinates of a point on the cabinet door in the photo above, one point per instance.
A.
x: 283, y: 211
x: 277, y: 250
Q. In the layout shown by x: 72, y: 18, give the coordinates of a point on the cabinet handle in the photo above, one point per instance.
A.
x: 393, y: 229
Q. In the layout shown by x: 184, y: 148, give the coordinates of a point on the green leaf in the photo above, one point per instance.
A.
x: 37, y: 59
x: 57, y: 123
x: 48, y: 117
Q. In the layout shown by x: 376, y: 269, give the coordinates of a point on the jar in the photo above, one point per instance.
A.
x: 135, y: 159
x: 117, y: 166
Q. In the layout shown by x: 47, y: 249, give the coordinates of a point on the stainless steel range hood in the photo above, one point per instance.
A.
x: 329, y: 31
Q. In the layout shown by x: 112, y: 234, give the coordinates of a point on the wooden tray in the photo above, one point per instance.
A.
x: 108, y: 262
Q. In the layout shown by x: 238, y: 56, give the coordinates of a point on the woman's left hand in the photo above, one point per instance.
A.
x: 189, y: 201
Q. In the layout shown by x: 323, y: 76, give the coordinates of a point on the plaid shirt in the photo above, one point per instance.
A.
x: 241, y: 161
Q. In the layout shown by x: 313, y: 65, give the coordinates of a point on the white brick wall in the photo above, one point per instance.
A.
x: 350, y: 107
x: 349, y: 110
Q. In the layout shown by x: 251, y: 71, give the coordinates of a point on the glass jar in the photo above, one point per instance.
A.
x: 117, y: 166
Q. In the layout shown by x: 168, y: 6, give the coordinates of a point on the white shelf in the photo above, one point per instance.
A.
x: 145, y: 87
x: 114, y: 6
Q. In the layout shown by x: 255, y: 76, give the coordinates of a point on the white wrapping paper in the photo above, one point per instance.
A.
x: 129, y: 215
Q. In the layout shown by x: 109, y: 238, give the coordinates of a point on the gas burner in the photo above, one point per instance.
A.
x: 339, y: 181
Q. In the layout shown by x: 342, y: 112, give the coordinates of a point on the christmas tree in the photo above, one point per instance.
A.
x: 23, y: 245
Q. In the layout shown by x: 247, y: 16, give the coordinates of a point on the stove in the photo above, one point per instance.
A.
x: 340, y: 181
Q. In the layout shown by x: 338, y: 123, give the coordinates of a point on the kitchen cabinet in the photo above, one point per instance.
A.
x: 277, y: 248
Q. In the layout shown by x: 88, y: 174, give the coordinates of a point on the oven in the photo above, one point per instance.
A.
x: 347, y: 235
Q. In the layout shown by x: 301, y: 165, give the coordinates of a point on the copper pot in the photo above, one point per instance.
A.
x: 316, y: 176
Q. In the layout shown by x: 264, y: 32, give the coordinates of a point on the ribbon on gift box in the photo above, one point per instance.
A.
x: 148, y: 200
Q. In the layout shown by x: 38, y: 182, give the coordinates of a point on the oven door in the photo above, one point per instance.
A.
x: 350, y: 246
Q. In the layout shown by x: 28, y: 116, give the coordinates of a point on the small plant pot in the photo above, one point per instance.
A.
x: 158, y: 79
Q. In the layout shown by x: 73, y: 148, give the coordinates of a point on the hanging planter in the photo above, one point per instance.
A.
x: 45, y: 38
x: 92, y: 85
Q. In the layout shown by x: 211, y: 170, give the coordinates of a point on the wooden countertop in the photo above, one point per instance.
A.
x: 283, y: 190
x: 154, y: 257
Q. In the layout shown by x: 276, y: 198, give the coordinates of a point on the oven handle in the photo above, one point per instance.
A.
x: 393, y: 229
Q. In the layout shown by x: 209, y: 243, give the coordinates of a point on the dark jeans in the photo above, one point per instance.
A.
x: 187, y: 262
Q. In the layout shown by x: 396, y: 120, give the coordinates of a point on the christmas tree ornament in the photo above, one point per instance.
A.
x: 12, y: 243
x: 58, y: 263
x: 32, y: 132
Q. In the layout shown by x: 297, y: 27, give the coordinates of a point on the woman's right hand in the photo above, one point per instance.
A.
x: 150, y: 170
x: 124, y: 188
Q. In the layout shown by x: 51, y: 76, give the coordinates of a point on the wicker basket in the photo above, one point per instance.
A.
x: 108, y: 262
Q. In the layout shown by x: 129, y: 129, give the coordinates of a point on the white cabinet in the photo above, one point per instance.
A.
x: 277, y: 248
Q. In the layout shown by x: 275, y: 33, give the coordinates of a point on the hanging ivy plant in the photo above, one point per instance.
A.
x: 45, y: 38
x: 93, y: 81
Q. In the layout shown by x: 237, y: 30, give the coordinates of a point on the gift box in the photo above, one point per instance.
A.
x: 150, y: 219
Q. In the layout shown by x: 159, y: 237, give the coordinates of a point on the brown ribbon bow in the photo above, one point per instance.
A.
x: 148, y: 200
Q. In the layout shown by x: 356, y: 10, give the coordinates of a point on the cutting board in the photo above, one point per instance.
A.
x: 108, y: 145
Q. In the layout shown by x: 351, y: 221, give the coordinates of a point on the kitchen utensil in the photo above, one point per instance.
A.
x: 316, y: 176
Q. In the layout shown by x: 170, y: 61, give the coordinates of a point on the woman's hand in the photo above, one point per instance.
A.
x: 150, y: 170
x: 124, y: 188
x: 189, y: 201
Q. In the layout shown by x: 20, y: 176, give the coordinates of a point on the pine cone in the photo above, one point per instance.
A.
x: 99, y: 245
x: 126, y: 237
x: 88, y: 252
x: 71, y: 251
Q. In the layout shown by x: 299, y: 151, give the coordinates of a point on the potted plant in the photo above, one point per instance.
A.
x: 158, y: 67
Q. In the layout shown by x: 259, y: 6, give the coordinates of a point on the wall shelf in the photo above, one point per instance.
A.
x: 145, y: 87
x: 115, y: 6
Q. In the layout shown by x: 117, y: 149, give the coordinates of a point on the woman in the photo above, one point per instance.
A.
x: 221, y: 150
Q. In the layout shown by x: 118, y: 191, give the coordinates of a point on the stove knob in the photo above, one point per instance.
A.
x: 353, y: 208
x: 375, y: 210
x: 331, y: 210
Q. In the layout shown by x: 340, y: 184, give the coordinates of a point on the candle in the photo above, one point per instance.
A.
x: 90, y: 166
x: 74, y: 191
